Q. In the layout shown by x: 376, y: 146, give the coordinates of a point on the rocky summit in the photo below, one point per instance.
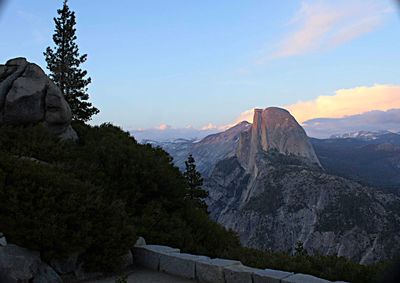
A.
x: 274, y: 129
x: 266, y: 183
x: 28, y: 96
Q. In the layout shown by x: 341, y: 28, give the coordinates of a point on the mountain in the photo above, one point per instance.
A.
x: 266, y: 182
x: 274, y: 129
x: 207, y: 151
x: 372, y: 158
x: 366, y: 135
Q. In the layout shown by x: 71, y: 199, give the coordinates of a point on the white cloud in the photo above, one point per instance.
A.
x: 321, y: 24
x: 209, y: 126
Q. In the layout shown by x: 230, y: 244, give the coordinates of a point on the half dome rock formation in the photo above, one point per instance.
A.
x: 274, y: 129
x: 28, y: 96
x: 265, y: 182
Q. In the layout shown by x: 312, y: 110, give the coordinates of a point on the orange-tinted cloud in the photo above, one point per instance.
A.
x: 348, y: 102
x: 345, y: 102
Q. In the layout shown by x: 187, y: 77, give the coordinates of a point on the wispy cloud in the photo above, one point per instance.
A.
x: 322, y: 24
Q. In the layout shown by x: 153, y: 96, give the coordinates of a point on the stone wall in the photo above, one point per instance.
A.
x: 211, y: 270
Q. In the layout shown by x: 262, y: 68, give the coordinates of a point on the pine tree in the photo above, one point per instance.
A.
x: 194, y: 183
x: 299, y: 249
x: 64, y: 62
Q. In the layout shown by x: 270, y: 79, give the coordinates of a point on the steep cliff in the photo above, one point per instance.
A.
x: 273, y: 192
x: 274, y: 129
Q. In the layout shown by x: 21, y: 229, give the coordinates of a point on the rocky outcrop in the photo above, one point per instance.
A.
x: 287, y: 201
x: 21, y: 265
x: 28, y: 96
x: 274, y: 193
x: 266, y: 183
x: 274, y: 129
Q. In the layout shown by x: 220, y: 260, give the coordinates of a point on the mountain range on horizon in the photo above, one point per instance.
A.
x: 275, y: 186
x: 369, y: 157
x: 372, y: 121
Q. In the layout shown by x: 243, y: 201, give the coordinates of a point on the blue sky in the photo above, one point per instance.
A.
x: 186, y: 62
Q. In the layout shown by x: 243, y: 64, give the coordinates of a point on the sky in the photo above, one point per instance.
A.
x: 173, y: 65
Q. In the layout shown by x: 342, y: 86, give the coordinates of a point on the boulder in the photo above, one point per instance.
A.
x: 65, y: 265
x: 18, y: 264
x: 140, y: 242
x: 3, y: 240
x: 28, y: 96
x: 46, y: 275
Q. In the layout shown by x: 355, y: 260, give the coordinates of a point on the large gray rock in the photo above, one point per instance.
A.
x: 265, y: 183
x: 274, y: 129
x: 46, y: 274
x: 140, y: 242
x: 18, y: 264
x: 28, y: 96
x: 3, y: 240
x: 65, y: 265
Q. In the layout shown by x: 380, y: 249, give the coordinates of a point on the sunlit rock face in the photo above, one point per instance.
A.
x: 274, y: 129
x: 273, y: 192
x: 28, y: 96
x: 266, y: 183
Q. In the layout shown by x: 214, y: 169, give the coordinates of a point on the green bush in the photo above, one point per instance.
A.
x: 94, y: 196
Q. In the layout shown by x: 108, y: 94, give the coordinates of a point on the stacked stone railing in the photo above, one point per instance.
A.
x: 211, y: 270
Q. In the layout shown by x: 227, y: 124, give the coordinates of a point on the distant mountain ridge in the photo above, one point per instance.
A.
x: 265, y: 182
x: 372, y: 158
x: 368, y: 157
x: 367, y: 135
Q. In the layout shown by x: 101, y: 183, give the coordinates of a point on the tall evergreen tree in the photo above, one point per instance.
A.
x: 194, y: 183
x: 64, y: 62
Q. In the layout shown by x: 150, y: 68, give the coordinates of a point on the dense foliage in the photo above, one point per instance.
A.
x: 93, y: 197
x: 64, y: 63
x: 328, y: 267
x: 196, y: 194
